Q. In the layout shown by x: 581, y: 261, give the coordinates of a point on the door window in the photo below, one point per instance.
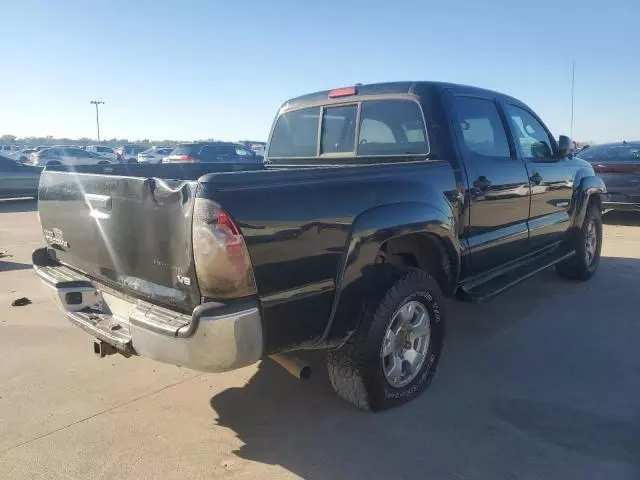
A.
x: 208, y: 154
x: 531, y: 135
x: 482, y: 129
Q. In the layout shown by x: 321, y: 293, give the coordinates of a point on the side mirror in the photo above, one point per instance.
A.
x: 565, y: 146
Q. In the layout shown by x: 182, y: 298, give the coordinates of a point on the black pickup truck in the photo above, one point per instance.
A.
x: 375, y: 202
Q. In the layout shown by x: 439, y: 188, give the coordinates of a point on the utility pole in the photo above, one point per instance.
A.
x: 100, y: 102
x: 573, y: 84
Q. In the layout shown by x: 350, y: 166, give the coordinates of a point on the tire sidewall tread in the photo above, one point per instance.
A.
x: 355, y: 370
x: 576, y: 267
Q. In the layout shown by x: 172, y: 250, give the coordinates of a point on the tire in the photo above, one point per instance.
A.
x: 357, y: 369
x: 583, y: 266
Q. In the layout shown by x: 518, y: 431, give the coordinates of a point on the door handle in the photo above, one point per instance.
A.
x: 482, y: 183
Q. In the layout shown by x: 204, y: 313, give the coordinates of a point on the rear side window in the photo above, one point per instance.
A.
x: 296, y: 134
x: 482, y: 129
x: 392, y: 127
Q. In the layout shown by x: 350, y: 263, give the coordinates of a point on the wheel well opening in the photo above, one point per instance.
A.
x: 597, y: 200
x: 424, y: 251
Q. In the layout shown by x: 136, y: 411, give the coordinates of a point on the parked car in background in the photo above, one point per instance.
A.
x: 212, y: 152
x: 37, y: 149
x: 66, y: 156
x: 154, y: 154
x: 23, y: 155
x: 17, y: 180
x: 8, y: 151
x: 102, y: 151
x: 258, y: 147
x: 129, y: 153
x: 618, y: 164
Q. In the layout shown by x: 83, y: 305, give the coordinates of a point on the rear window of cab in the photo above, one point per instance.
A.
x: 383, y: 128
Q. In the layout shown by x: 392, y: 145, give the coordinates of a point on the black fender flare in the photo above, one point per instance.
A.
x: 588, y: 187
x: 370, y: 230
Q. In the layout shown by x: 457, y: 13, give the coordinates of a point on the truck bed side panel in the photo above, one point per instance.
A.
x: 296, y: 224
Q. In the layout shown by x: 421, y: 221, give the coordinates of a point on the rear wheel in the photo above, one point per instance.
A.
x: 588, y: 246
x: 393, y: 356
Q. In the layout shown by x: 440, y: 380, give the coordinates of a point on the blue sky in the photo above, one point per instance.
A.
x: 220, y: 69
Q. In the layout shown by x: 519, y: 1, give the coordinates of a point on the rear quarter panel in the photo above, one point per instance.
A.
x: 299, y: 229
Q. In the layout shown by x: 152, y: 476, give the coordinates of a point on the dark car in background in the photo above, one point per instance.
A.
x: 212, y: 152
x: 618, y: 164
x: 18, y: 180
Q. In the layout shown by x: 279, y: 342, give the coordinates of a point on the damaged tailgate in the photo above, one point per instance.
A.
x: 130, y: 233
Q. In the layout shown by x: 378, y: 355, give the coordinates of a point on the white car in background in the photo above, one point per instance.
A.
x: 8, y: 151
x: 22, y: 155
x: 66, y: 156
x: 154, y: 154
x: 104, y: 152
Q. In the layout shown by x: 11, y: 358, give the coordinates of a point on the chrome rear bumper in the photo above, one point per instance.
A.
x: 215, y: 338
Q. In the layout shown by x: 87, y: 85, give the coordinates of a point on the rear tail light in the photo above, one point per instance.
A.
x: 186, y: 158
x: 223, y: 266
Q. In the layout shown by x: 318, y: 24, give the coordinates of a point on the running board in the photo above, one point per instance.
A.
x: 480, y: 292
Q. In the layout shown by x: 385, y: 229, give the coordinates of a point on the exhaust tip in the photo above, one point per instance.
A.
x: 305, y: 373
x: 296, y: 367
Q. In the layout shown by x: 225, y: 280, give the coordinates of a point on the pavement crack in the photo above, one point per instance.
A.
x: 97, y: 414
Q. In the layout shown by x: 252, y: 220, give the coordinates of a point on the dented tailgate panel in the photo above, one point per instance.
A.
x: 133, y: 233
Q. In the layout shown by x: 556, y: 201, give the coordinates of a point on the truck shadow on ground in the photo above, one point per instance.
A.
x: 473, y: 422
x: 8, y: 266
x: 17, y: 205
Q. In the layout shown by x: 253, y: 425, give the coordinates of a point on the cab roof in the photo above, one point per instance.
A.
x: 390, y: 88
